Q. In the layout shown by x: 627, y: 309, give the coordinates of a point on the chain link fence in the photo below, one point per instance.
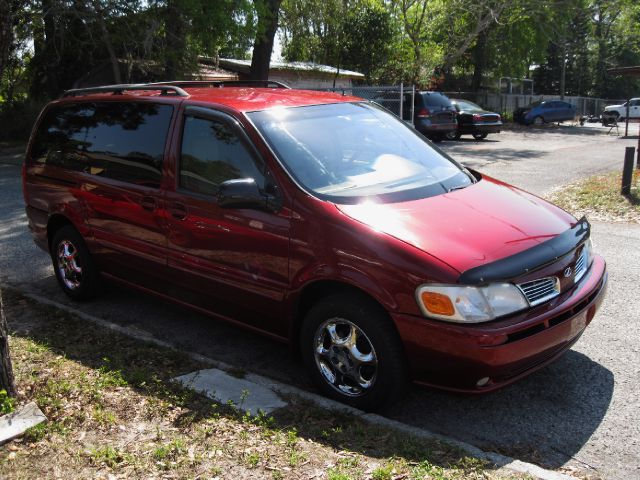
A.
x: 507, y: 103
x: 398, y: 99
x: 395, y: 98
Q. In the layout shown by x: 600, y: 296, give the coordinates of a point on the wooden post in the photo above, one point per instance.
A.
x: 6, y: 370
x: 627, y: 170
x: 638, y: 157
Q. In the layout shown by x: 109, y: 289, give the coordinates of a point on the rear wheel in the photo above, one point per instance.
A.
x: 437, y: 137
x: 353, y: 352
x: 480, y: 136
x: 72, y: 264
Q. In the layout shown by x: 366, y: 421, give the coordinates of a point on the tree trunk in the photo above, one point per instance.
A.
x: 263, y: 45
x: 6, y: 370
x: 479, y: 61
x: 106, y: 38
x: 176, y: 41
x: 6, y: 33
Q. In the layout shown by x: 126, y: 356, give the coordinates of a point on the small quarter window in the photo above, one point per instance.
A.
x: 212, y: 152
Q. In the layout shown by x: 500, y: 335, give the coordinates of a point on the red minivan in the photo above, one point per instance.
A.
x: 318, y: 219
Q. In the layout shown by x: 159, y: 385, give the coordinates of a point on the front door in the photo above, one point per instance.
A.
x: 233, y: 262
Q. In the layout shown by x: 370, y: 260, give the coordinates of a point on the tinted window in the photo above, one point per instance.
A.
x: 436, y: 99
x: 348, y: 151
x: 212, y: 153
x: 123, y: 141
x: 467, y: 106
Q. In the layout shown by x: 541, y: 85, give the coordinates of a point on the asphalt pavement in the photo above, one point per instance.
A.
x: 578, y: 414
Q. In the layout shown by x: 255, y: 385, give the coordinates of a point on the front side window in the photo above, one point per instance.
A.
x: 213, y: 152
x: 347, y: 151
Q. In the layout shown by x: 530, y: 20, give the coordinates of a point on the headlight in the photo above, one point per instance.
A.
x: 588, y: 248
x: 466, y: 304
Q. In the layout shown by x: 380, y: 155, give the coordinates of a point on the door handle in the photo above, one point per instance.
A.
x: 149, y: 203
x: 178, y: 211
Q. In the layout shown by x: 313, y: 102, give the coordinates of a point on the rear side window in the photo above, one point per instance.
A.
x: 212, y: 153
x: 123, y: 141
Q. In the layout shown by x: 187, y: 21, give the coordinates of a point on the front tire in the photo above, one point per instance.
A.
x: 538, y: 121
x: 453, y: 135
x: 73, y: 265
x: 353, y: 352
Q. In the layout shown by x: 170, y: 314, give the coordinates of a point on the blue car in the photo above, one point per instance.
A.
x: 544, y: 112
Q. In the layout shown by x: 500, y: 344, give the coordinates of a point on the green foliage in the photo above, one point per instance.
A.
x: 7, y: 404
x: 462, y: 44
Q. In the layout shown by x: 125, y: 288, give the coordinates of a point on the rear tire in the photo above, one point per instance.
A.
x: 353, y: 352
x: 480, y: 136
x: 73, y: 265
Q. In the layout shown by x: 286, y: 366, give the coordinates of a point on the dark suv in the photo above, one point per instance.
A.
x: 320, y: 220
x: 433, y: 114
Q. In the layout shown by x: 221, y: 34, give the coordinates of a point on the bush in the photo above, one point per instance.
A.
x: 17, y: 118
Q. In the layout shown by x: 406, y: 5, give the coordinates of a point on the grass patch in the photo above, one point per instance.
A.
x: 599, y: 198
x: 114, y: 411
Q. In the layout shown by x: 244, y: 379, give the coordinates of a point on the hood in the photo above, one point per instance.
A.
x: 466, y: 228
x: 613, y: 107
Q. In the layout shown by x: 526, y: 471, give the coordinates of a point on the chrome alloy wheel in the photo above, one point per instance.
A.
x: 70, y: 271
x: 345, y: 357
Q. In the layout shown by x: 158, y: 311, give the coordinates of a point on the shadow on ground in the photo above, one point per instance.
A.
x: 545, y: 418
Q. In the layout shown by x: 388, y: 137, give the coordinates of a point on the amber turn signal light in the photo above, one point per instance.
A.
x: 437, y: 303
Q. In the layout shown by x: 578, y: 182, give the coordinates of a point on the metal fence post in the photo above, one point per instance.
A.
x: 413, y: 104
x: 401, y: 106
x: 627, y: 170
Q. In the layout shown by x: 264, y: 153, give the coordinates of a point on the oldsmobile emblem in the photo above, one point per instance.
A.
x: 567, y: 272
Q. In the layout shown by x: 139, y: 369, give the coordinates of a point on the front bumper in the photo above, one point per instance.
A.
x: 456, y: 357
x: 481, y: 127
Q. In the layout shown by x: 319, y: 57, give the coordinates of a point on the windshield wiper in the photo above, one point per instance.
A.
x: 459, y: 187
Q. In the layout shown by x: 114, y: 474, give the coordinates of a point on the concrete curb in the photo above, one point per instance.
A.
x: 501, y: 461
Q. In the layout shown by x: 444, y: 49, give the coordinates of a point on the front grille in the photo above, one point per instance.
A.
x: 581, y: 265
x: 490, y: 118
x: 541, y: 290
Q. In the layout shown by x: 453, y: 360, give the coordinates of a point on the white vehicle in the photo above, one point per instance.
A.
x: 619, y: 112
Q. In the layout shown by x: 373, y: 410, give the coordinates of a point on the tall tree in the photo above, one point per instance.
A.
x: 6, y: 32
x: 268, y: 11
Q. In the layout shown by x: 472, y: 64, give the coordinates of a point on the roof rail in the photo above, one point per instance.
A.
x: 225, y: 83
x: 119, y: 89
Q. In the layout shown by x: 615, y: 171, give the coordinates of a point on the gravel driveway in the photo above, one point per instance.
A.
x: 579, y: 413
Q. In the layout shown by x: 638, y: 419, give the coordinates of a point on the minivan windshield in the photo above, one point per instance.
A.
x: 346, y: 151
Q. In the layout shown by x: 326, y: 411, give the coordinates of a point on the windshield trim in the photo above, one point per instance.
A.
x: 391, y: 197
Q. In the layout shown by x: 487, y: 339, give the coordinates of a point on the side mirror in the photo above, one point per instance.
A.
x: 244, y: 193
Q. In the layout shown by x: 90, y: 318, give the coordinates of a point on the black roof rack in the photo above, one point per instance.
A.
x: 119, y: 89
x: 224, y: 83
